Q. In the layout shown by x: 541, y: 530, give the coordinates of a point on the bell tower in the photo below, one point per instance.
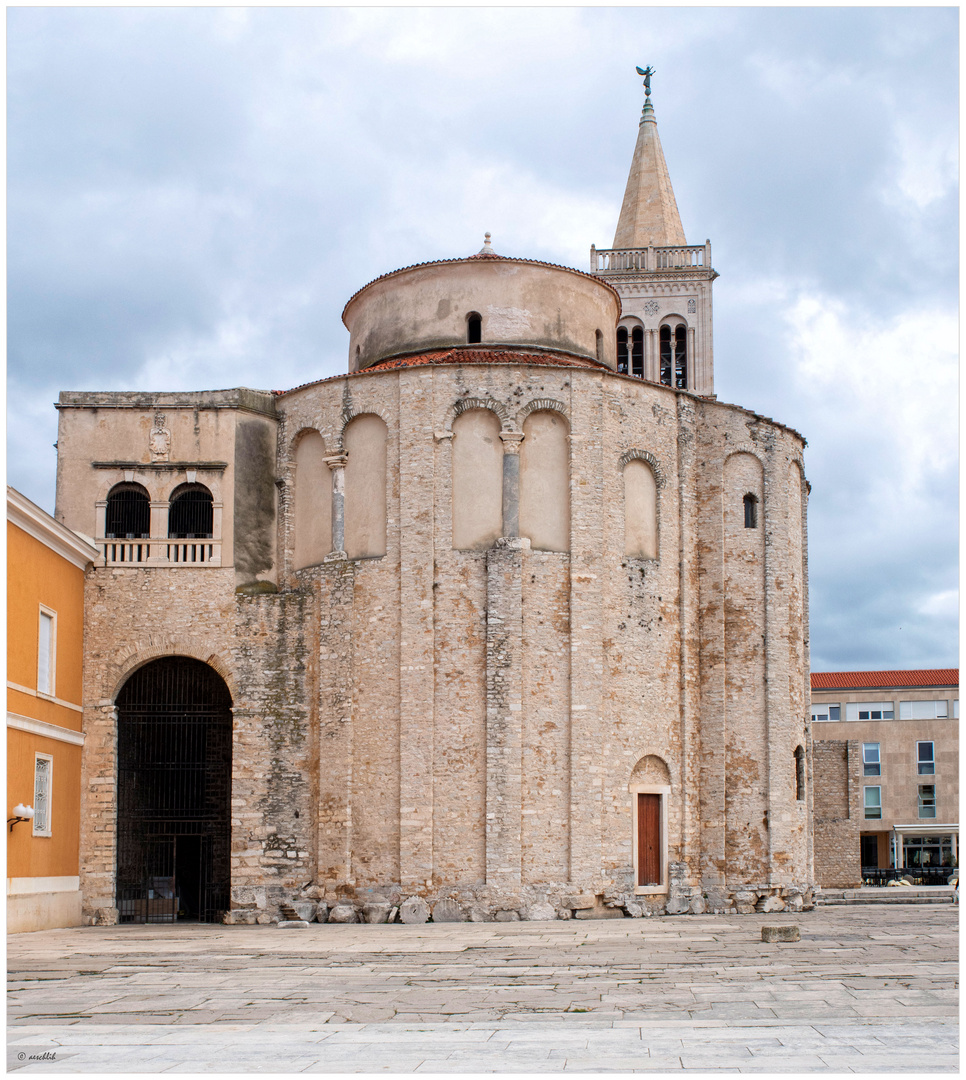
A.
x: 665, y: 331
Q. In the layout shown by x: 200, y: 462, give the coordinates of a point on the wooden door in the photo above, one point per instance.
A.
x: 648, y: 839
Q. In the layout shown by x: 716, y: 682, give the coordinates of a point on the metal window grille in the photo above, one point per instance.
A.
x: 42, y: 769
x: 191, y: 512
x: 128, y: 512
x: 173, y: 794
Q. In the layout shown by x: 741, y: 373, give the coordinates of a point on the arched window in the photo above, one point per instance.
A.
x: 637, y: 352
x: 128, y: 512
x: 474, y: 328
x: 622, y: 350
x: 666, y: 358
x: 751, y: 512
x: 799, y: 773
x: 681, y: 357
x: 190, y: 513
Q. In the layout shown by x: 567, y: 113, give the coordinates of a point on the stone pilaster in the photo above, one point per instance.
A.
x: 504, y: 706
x: 416, y: 641
x: 586, y: 639
x: 336, y: 589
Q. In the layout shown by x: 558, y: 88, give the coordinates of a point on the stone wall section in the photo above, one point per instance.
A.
x: 466, y: 724
x: 838, y: 812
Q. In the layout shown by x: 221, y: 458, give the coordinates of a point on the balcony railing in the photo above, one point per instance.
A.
x: 648, y: 259
x: 168, y: 551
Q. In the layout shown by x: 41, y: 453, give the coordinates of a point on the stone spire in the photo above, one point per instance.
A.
x: 649, y: 213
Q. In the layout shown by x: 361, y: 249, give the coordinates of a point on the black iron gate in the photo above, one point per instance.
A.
x: 173, y: 793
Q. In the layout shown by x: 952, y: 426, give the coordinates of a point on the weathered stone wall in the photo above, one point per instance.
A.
x: 838, y: 812
x: 466, y: 723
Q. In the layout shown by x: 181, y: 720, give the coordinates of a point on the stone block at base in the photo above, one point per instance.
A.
x: 781, y: 933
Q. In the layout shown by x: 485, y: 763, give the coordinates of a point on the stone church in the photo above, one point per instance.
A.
x: 508, y: 622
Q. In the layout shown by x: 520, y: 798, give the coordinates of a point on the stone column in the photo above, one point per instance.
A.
x: 689, y: 382
x: 511, y: 482
x: 337, y: 465
x: 652, y: 356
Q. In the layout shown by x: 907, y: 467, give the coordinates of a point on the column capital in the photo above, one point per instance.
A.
x: 511, y: 441
x: 337, y: 461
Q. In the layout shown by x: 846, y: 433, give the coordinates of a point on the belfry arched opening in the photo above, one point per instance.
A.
x: 174, y: 731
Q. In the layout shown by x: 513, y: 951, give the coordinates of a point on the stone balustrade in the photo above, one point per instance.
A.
x: 154, y: 551
x: 620, y: 260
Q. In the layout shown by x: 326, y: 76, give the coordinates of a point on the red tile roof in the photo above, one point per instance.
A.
x: 874, y: 680
x: 462, y: 355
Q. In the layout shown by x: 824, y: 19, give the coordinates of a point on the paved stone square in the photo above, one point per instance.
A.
x: 868, y: 989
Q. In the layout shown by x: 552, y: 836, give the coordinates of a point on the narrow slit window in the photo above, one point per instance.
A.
x: 622, y: 350
x: 599, y: 345
x: 474, y: 328
x: 800, y: 773
x: 751, y: 512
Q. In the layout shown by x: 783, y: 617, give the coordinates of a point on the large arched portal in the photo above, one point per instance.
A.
x: 173, y: 793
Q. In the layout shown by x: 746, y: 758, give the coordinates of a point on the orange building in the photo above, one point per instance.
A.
x: 46, y: 565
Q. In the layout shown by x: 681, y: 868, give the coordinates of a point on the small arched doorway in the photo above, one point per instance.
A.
x: 174, y: 734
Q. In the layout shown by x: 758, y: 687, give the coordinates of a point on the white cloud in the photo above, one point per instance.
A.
x: 943, y: 605
x: 927, y: 169
x: 892, y: 383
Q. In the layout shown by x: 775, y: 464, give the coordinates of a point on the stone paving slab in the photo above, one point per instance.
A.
x: 868, y: 989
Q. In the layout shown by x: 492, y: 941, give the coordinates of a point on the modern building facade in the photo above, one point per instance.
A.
x: 902, y: 733
x: 487, y: 620
x: 46, y: 564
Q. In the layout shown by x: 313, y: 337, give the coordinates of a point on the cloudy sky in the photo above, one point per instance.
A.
x: 195, y: 193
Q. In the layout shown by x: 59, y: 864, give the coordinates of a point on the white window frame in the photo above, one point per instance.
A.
x: 927, y: 806
x: 41, y: 825
x: 866, y: 807
x: 822, y: 712
x: 886, y: 710
x: 650, y: 789
x: 878, y: 759
x: 920, y: 760
x: 50, y: 690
